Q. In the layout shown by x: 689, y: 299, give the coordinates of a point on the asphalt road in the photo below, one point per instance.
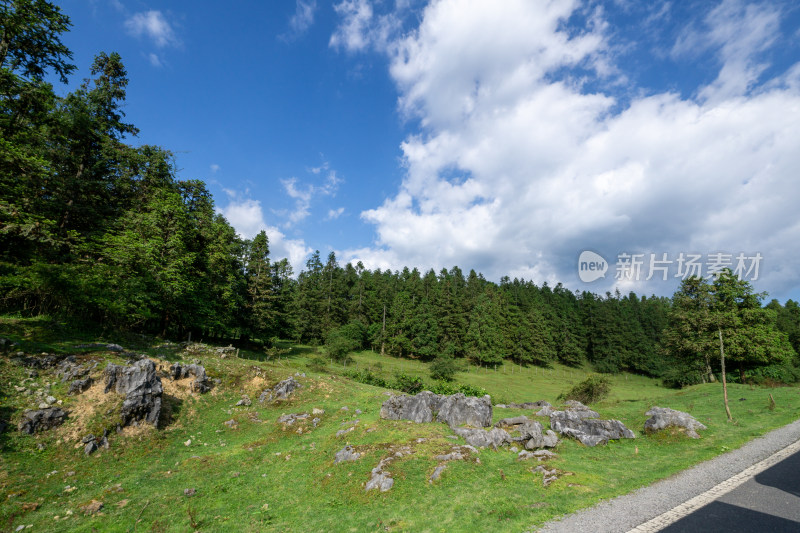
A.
x: 769, y: 502
x: 754, y: 488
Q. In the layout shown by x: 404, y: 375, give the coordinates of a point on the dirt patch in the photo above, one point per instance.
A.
x: 180, y: 389
x: 85, y: 410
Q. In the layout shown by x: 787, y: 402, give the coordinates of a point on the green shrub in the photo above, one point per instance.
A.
x: 408, y: 384
x: 591, y: 390
x: 444, y: 368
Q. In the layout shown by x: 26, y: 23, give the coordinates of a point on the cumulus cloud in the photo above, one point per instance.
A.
x: 153, y: 25
x: 247, y: 217
x: 517, y: 166
x: 303, y: 17
x: 362, y: 28
x: 304, y: 193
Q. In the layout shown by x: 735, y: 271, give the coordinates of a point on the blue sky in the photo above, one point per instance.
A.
x: 507, y: 137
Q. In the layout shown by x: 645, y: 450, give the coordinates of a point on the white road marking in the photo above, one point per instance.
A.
x: 661, y: 521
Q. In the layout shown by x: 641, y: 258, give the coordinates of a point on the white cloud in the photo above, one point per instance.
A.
x: 335, y: 213
x: 740, y: 32
x: 517, y: 168
x: 303, y: 17
x: 247, y: 217
x: 361, y: 28
x: 303, y: 194
x: 154, y: 25
x: 214, y: 168
x: 154, y: 60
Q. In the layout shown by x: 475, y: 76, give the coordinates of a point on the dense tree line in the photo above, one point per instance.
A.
x: 96, y: 228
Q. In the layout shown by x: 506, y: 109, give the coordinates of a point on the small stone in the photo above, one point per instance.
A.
x: 188, y: 442
x: 50, y: 400
x: 232, y: 424
x: 189, y: 492
x: 437, y: 473
x: 317, y: 411
x: 92, y: 507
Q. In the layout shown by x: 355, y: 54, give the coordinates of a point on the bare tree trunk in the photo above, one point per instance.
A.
x: 709, y: 373
x: 724, y: 381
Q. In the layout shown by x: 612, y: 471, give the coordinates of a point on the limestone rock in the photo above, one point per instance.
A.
x: 437, y: 472
x: 200, y: 383
x: 346, y: 454
x: 589, y: 431
x: 426, y: 406
x: 480, y: 438
x: 534, y: 436
x: 281, y: 391
x: 245, y: 401
x: 41, y: 419
x: 142, y: 389
x: 513, y: 421
x: 79, y: 385
x: 664, y: 417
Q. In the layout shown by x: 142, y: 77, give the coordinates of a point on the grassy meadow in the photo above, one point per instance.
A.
x: 260, y: 475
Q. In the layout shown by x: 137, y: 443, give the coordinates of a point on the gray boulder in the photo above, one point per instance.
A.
x: 80, y: 385
x: 534, y: 436
x: 480, y: 438
x: 459, y: 409
x: 513, y: 421
x: 588, y: 431
x: 281, y: 391
x: 426, y: 406
x: 41, y: 419
x: 664, y: 417
x: 200, y: 383
x: 420, y: 408
x: 580, y: 410
x: 141, y: 387
x: 346, y: 454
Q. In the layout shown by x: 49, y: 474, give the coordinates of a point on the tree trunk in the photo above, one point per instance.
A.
x: 709, y: 373
x: 724, y: 381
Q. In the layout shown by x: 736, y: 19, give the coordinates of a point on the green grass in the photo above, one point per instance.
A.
x: 263, y: 477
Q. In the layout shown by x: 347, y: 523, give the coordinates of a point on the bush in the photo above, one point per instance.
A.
x: 591, y: 390
x: 677, y: 377
x: 318, y: 363
x: 345, y: 339
x: 444, y: 368
x: 408, y: 384
x: 366, y: 377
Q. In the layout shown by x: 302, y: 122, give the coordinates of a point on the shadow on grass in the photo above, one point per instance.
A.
x: 282, y: 351
x: 5, y: 426
x: 171, y: 407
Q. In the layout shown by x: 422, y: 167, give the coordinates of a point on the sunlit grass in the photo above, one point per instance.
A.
x: 263, y: 477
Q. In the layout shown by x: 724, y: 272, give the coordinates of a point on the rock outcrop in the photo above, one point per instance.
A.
x: 533, y: 435
x: 80, y: 385
x: 664, y: 417
x: 381, y: 479
x: 583, y: 424
x: 281, y: 391
x: 200, y: 383
x: 141, y: 387
x: 347, y: 453
x: 37, y: 420
x: 481, y: 438
x: 531, y: 432
x: 426, y: 406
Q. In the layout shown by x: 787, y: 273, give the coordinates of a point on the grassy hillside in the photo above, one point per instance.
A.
x: 265, y: 476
